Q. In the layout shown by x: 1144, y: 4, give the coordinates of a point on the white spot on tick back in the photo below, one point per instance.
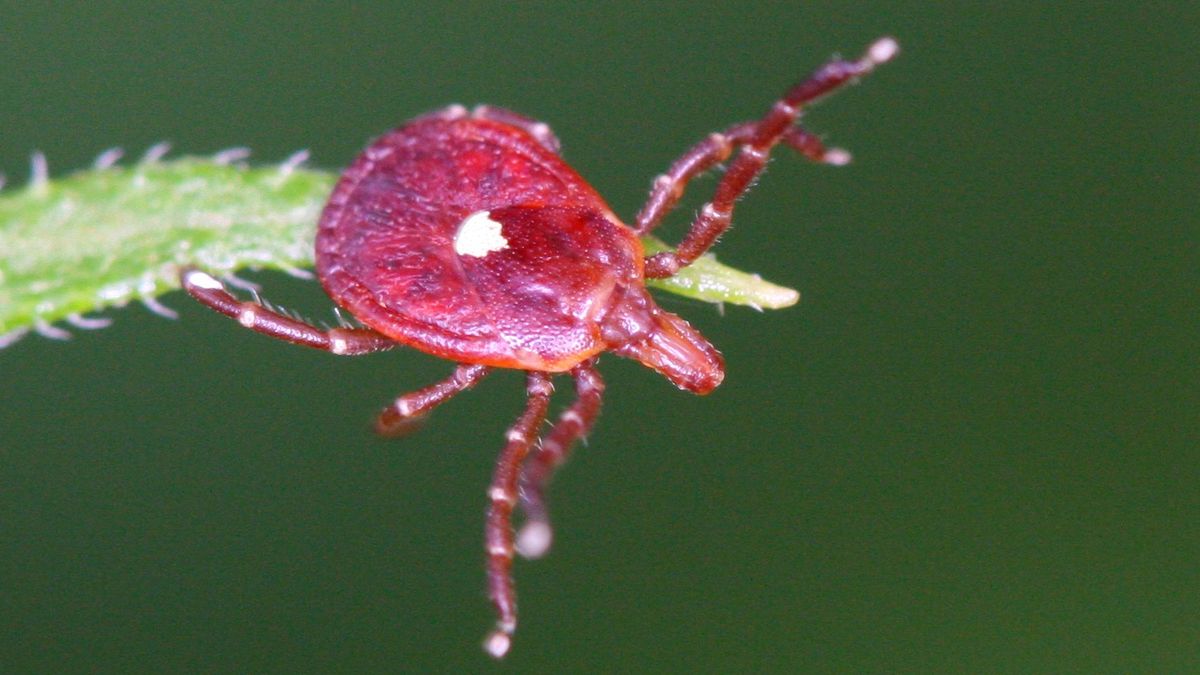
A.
x: 479, y: 235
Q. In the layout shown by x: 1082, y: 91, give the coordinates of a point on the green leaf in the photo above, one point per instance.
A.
x: 710, y: 281
x: 103, y: 237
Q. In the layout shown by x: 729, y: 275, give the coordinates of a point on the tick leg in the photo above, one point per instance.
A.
x: 668, y: 188
x: 498, y: 536
x: 349, y: 341
x: 715, y: 215
x: 539, y: 130
x: 450, y: 112
x: 535, y: 535
x: 406, y: 410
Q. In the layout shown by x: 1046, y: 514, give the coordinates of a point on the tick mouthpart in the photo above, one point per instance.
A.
x: 638, y: 329
x: 679, y: 353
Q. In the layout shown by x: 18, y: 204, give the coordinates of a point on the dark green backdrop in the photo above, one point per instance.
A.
x: 971, y: 448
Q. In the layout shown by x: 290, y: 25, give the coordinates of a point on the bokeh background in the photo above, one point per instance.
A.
x: 973, y: 447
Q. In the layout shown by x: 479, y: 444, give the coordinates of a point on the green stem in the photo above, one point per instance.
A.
x: 103, y: 237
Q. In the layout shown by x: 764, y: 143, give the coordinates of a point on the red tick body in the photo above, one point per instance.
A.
x: 465, y: 235
x: 467, y: 238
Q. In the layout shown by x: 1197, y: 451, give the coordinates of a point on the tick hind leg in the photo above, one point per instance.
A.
x: 406, y: 412
x: 755, y: 141
x: 345, y: 341
x: 535, y: 535
x: 498, y: 536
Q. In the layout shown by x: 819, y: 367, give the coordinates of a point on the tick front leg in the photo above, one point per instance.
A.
x: 669, y: 187
x: 715, y: 216
x: 348, y: 341
x: 535, y: 535
x: 407, y: 410
x: 498, y: 536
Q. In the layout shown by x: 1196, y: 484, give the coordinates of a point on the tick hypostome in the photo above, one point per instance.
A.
x: 465, y: 235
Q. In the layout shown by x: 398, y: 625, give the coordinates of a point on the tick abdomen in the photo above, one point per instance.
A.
x: 470, y: 240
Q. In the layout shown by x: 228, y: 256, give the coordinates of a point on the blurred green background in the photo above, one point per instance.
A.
x: 973, y: 447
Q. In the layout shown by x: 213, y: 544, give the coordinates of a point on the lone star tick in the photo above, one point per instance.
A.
x: 465, y: 235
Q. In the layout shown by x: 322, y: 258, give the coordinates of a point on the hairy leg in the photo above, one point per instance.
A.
x: 533, y: 540
x: 407, y: 410
x: 347, y: 341
x: 715, y: 216
x: 498, y: 535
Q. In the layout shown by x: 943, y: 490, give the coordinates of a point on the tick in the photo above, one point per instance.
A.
x: 465, y: 235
